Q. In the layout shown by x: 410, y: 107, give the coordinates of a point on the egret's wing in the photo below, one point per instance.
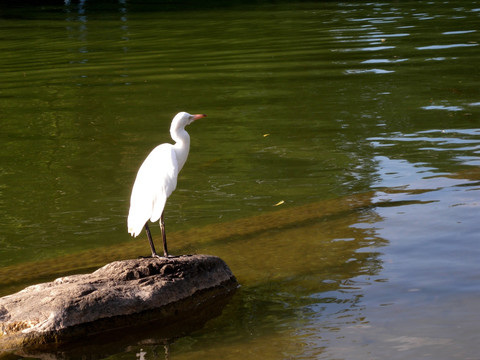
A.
x: 156, y: 180
x: 164, y: 176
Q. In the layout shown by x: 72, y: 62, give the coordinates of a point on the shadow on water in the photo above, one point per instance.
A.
x: 289, y: 230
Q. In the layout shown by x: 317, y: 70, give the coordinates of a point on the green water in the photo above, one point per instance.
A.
x: 360, y: 121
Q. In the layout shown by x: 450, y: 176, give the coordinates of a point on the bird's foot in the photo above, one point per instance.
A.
x: 165, y: 256
x: 154, y: 256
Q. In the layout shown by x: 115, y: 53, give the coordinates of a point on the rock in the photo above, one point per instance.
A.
x: 116, y: 296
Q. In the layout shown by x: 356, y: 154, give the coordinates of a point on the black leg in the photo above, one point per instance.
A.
x: 149, y: 235
x: 164, y: 236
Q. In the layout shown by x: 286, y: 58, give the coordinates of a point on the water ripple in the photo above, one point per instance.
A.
x: 441, y: 47
x: 458, y: 32
x: 383, y: 61
x: 442, y: 107
x: 369, y: 71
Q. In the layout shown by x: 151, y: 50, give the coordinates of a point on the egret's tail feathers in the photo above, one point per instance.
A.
x: 135, y: 226
x: 132, y: 232
x: 135, y: 231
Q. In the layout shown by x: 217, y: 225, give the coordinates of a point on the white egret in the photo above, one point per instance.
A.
x: 157, y: 179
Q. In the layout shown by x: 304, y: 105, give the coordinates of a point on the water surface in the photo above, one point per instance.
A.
x: 336, y: 173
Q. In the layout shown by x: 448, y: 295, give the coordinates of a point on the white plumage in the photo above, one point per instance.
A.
x: 157, y: 179
x: 155, y: 182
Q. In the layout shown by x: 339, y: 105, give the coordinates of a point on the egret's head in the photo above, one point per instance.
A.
x: 183, y: 119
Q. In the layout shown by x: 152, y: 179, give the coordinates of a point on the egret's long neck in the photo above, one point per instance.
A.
x: 182, y: 145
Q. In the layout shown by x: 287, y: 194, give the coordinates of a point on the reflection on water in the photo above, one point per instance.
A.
x: 422, y: 210
x: 352, y: 226
x: 77, y: 28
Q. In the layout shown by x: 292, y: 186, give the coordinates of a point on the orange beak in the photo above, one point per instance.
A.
x: 198, y: 116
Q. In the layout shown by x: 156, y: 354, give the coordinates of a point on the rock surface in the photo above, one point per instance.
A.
x: 116, y: 296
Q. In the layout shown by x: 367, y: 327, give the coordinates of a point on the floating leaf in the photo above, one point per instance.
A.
x: 279, y: 203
